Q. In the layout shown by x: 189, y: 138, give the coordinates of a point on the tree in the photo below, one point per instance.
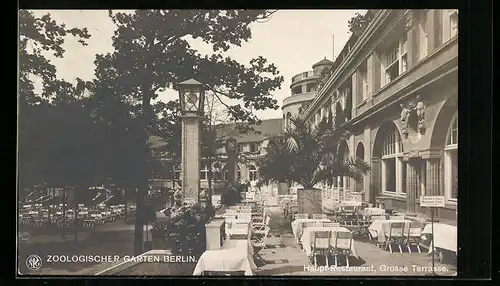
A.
x: 310, y: 156
x: 153, y: 54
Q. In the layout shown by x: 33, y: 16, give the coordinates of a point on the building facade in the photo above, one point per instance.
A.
x: 251, y: 149
x: 395, y: 85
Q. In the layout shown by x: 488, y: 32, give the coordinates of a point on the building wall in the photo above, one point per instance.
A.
x: 429, y: 70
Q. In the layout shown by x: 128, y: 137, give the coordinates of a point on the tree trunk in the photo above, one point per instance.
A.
x: 208, y: 194
x: 76, y: 210
x: 63, y: 231
x: 125, y: 199
x: 309, y: 201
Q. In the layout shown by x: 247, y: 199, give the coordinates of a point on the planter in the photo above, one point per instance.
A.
x: 310, y: 201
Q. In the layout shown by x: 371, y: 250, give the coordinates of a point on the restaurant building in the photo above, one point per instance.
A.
x: 395, y: 86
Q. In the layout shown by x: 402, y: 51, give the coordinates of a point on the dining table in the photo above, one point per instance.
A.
x: 298, y: 225
x: 445, y: 236
x: 380, y: 228
x: 235, y: 255
x: 307, y: 238
x: 372, y: 211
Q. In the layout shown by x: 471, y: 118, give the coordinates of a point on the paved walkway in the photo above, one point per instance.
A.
x: 284, y: 257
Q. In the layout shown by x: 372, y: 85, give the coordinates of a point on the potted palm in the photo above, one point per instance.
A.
x: 308, y: 156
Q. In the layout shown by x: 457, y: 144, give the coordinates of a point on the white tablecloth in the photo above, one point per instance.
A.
x: 380, y: 228
x: 373, y: 211
x: 240, y: 230
x: 236, y: 255
x: 308, y: 238
x: 298, y: 225
x: 445, y: 236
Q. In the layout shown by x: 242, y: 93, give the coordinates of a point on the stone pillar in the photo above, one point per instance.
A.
x: 431, y: 31
x: 232, y: 160
x: 191, y: 158
x: 375, y: 180
x: 432, y: 174
x: 411, y: 186
x: 354, y: 92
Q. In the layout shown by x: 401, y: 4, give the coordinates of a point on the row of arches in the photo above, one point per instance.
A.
x: 388, y: 148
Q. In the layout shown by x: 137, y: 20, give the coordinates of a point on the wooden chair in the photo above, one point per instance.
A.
x: 259, y: 243
x: 322, y: 241
x: 395, y: 235
x: 319, y: 216
x: 331, y: 224
x: 342, y: 246
x: 413, y: 236
x: 224, y: 273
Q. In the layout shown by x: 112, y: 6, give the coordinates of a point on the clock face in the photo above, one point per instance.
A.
x: 192, y: 101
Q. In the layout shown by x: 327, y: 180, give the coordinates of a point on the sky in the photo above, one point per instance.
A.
x: 292, y: 39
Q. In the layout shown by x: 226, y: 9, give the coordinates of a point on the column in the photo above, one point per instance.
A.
x: 354, y: 92
x: 431, y: 31
x: 432, y: 177
x: 413, y: 38
x: 375, y: 180
x: 191, y: 156
x: 411, y: 186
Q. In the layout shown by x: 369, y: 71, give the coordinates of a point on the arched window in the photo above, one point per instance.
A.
x: 288, y: 120
x: 217, y: 172
x: 392, y: 162
x: 451, y: 161
x: 204, y: 172
x: 252, y: 173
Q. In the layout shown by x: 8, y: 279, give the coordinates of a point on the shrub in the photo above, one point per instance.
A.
x: 184, y: 231
x: 231, y: 196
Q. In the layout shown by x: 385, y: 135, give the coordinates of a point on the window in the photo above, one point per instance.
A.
x: 241, y: 148
x: 423, y: 32
x: 393, y: 175
x: 310, y: 87
x: 403, y: 189
x: 297, y: 90
x: 239, y: 174
x: 395, y: 59
x: 177, y: 172
x: 252, y: 173
x: 225, y: 173
x: 254, y: 147
x: 217, y: 172
x: 453, y: 23
x: 451, y: 161
x: 288, y: 122
x: 204, y: 173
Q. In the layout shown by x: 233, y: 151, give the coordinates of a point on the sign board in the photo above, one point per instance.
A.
x: 432, y: 201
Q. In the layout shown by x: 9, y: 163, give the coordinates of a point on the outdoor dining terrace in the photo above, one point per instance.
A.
x: 250, y: 239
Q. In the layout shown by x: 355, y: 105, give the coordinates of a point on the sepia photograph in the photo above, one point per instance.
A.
x: 237, y: 142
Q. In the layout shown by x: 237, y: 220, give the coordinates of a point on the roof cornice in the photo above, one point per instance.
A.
x: 377, y: 21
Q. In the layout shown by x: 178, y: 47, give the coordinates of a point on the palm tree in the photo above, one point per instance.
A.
x: 309, y: 155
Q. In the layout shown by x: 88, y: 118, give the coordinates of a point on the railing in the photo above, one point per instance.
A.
x: 307, y: 74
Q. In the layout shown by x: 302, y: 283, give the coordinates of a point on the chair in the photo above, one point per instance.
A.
x: 301, y: 216
x: 413, y: 236
x: 319, y: 216
x: 343, y: 245
x: 331, y: 224
x: 223, y: 273
x: 259, y: 243
x: 322, y: 242
x: 395, y: 235
x: 349, y: 209
x: 238, y: 226
x: 397, y: 217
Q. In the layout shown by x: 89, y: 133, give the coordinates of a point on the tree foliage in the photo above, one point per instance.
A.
x: 309, y: 155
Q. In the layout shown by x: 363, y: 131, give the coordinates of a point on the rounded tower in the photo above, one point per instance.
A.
x: 303, y: 90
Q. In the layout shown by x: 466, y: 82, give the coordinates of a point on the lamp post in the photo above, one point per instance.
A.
x: 192, y: 97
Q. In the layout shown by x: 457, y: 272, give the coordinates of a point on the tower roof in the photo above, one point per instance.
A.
x: 323, y: 62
